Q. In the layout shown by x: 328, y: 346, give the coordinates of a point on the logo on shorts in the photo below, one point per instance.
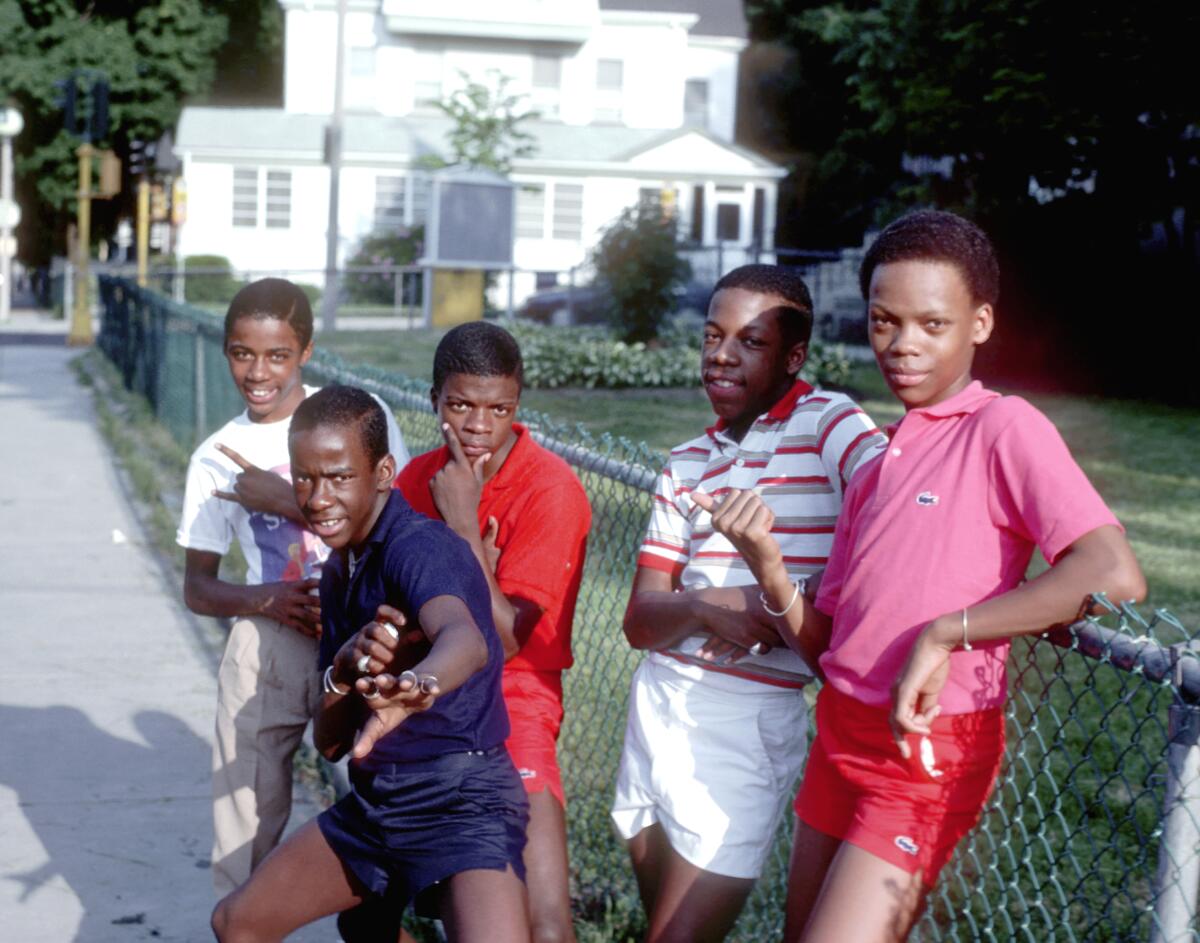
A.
x: 927, y: 499
x: 526, y: 773
x: 907, y: 845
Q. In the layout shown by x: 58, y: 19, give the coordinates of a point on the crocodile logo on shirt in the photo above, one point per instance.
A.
x: 907, y: 845
x: 927, y: 499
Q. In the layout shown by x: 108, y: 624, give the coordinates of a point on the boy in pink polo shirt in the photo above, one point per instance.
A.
x: 924, y: 589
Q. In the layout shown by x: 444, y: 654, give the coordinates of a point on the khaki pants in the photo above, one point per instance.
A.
x: 267, y: 689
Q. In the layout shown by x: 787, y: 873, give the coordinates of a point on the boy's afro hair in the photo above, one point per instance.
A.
x: 781, y: 281
x: 477, y: 349
x: 937, y: 236
x: 272, y: 298
x: 342, y: 407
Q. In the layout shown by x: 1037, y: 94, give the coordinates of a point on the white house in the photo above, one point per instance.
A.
x: 636, y: 99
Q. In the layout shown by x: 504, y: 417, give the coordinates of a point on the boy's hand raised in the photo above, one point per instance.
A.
x: 457, y: 487
x: 376, y: 647
x: 256, y: 489
x: 294, y: 604
x: 744, y: 519
x: 392, y: 699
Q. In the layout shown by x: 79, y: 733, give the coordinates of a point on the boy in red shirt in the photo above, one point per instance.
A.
x: 923, y: 591
x: 526, y: 517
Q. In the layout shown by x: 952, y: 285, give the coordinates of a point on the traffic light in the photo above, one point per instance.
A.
x: 137, y: 158
x: 68, y: 98
x: 99, y: 122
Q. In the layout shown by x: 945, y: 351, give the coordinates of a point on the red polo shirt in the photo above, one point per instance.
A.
x: 544, y: 518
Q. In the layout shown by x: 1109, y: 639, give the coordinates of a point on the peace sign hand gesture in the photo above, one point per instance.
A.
x: 256, y: 489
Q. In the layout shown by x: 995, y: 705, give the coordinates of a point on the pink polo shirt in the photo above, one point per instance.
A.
x: 947, y: 517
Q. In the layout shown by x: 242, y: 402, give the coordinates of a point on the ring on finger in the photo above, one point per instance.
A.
x: 411, y: 677
x: 429, y: 684
x: 362, y: 664
x: 372, y: 692
x: 758, y: 648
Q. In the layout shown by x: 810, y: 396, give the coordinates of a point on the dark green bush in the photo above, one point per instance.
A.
x: 638, y: 267
x: 595, y: 357
x: 402, y: 247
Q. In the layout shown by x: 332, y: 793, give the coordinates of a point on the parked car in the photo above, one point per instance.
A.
x: 585, y: 304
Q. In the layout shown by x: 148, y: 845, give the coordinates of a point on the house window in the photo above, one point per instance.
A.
x: 568, y: 211
x: 245, y: 196
x: 279, y: 199
x: 610, y: 83
x: 531, y: 211
x: 729, y: 222
x: 390, y: 193
x: 695, y: 103
x: 547, y: 85
x: 427, y: 80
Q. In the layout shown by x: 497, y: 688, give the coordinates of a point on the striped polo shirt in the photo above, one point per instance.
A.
x: 799, y: 456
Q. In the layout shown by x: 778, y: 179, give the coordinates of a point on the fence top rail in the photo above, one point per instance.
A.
x: 1159, y: 648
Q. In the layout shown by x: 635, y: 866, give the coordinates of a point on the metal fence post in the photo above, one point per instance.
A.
x: 200, y: 410
x: 1177, y: 882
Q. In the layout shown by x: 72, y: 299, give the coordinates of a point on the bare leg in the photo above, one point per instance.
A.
x: 812, y: 854
x: 865, y: 899
x: 546, y: 873
x: 485, y: 906
x: 684, y: 903
x: 300, y: 881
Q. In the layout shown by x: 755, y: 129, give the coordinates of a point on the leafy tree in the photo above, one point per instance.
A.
x: 399, y: 248
x: 638, y: 269
x: 155, y: 56
x: 487, y: 130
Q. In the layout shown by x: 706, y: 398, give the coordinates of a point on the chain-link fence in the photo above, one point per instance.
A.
x: 1092, y: 834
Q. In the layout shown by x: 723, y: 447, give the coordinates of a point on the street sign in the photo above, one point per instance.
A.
x: 11, y: 122
x: 10, y: 214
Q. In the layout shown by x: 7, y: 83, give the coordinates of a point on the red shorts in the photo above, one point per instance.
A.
x: 911, y: 813
x: 535, y: 710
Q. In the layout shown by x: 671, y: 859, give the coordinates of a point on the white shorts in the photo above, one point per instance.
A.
x: 713, y: 764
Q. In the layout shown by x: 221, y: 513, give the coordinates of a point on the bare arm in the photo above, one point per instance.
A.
x: 746, y: 522
x: 1101, y: 561
x: 658, y: 617
x: 294, y: 604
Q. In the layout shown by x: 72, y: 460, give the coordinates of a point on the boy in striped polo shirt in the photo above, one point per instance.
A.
x: 717, y: 721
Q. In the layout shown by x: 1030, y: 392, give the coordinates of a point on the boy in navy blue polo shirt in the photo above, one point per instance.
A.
x: 436, y: 797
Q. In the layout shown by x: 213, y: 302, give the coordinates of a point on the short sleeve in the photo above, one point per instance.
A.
x: 668, y: 535
x: 1038, y: 490
x: 848, y: 440
x: 203, y: 525
x: 541, y: 557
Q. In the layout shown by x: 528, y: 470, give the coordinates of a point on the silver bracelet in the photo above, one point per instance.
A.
x: 329, y: 686
x: 762, y: 598
x: 966, y: 645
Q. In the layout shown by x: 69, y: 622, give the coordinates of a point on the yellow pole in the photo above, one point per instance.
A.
x: 81, y: 319
x: 143, y: 230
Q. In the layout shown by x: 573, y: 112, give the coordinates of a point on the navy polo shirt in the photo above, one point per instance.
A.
x: 406, y: 561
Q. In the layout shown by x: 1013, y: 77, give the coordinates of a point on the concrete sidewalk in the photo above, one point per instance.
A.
x: 107, y: 690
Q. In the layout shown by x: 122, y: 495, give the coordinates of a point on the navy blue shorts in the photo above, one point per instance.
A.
x: 406, y: 826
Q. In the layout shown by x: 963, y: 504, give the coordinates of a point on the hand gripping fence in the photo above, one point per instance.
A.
x: 1092, y: 833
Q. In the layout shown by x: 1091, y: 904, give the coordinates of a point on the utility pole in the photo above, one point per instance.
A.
x: 81, y: 316
x: 333, y: 156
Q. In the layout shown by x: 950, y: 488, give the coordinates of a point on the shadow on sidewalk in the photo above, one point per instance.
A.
x: 125, y: 824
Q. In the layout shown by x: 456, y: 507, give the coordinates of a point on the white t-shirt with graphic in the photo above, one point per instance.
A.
x: 276, y: 548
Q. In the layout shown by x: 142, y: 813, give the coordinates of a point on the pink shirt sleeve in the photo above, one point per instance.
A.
x: 1038, y: 490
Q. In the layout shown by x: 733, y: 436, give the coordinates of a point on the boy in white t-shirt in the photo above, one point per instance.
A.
x: 238, y: 487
